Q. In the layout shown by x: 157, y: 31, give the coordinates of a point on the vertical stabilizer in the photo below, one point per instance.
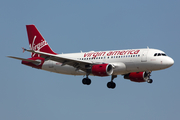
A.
x: 36, y: 41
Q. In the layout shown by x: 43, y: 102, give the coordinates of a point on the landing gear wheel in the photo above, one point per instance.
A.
x: 86, y: 81
x: 111, y: 85
x: 149, y: 80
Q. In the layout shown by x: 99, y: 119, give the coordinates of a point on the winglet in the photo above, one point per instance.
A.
x: 23, y: 49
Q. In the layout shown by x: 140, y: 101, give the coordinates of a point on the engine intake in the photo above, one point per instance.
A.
x: 102, y: 70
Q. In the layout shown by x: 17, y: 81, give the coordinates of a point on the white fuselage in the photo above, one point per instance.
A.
x: 124, y: 61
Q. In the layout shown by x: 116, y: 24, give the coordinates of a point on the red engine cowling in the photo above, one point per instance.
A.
x: 102, y: 70
x: 136, y: 76
x: 38, y: 66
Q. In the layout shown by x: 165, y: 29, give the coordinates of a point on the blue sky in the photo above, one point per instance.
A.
x: 71, y: 26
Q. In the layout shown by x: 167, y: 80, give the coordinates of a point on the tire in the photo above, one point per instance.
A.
x: 149, y: 80
x: 86, y: 81
x: 111, y: 85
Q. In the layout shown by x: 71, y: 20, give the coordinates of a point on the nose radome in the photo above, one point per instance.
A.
x: 169, y: 61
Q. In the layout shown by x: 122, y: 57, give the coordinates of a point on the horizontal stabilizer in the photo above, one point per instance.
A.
x: 23, y: 59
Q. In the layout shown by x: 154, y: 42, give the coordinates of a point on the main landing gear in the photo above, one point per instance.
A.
x: 86, y: 81
x: 111, y: 84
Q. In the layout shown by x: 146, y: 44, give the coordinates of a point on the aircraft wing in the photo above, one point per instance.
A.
x: 65, y: 61
x: 28, y: 60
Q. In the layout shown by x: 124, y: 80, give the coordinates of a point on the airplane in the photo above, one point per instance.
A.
x: 134, y: 64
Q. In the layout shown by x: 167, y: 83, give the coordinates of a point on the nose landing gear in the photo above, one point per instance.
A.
x: 147, y: 77
x: 149, y: 81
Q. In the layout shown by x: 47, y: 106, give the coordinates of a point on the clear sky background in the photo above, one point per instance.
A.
x: 71, y: 26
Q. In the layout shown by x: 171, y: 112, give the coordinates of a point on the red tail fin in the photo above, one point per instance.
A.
x: 36, y: 41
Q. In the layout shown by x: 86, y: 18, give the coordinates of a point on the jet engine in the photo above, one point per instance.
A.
x: 138, y: 76
x: 102, y: 70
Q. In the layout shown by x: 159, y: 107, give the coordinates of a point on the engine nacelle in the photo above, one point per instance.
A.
x: 136, y: 76
x: 38, y: 66
x: 102, y: 69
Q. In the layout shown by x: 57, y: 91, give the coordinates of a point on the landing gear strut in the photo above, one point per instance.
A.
x: 111, y: 84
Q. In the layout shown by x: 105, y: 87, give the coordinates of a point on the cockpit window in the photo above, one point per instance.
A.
x: 163, y: 54
x: 160, y: 54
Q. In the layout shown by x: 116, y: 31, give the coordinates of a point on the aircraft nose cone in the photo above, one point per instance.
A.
x: 169, y: 62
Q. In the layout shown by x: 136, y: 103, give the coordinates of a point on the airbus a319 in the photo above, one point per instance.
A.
x: 134, y: 64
